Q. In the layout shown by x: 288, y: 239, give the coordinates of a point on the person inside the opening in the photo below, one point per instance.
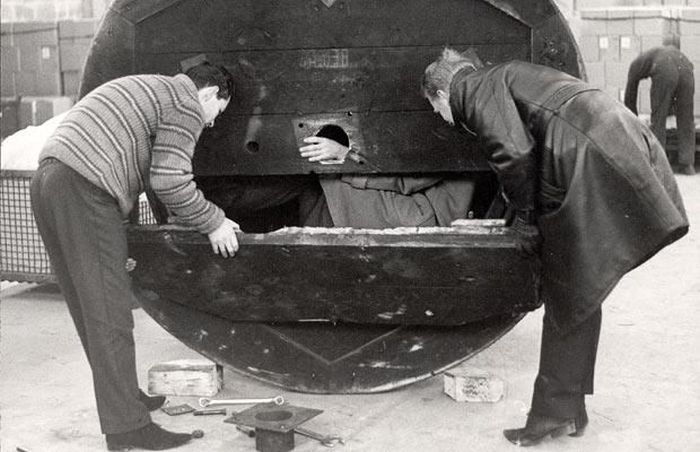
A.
x: 374, y: 201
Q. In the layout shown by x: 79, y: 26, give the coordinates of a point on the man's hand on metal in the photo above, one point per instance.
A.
x: 324, y: 150
x: 529, y: 239
x: 223, y: 239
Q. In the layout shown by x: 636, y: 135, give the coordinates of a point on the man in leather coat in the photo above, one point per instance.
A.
x: 593, y: 193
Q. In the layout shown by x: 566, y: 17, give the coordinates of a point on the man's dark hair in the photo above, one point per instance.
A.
x: 207, y: 74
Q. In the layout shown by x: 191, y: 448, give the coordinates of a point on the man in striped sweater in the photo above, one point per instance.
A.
x: 127, y: 135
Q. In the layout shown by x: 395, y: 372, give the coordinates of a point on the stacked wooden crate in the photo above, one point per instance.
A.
x: 41, y: 69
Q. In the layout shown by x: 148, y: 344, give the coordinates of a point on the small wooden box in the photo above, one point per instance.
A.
x: 473, y: 385
x: 185, y: 377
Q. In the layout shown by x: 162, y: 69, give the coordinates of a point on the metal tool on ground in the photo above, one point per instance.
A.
x: 248, y: 431
x: 175, y: 410
x: 274, y: 425
x: 204, y: 402
x: 326, y: 440
x: 221, y: 411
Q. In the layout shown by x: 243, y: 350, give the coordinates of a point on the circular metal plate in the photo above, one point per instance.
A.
x: 327, y: 358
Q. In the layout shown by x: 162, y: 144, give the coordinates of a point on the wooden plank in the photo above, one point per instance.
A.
x: 431, y: 278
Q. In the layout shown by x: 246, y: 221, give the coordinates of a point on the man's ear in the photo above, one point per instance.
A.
x: 442, y: 94
x: 208, y: 93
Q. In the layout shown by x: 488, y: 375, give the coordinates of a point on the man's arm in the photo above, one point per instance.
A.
x: 172, y: 180
x: 320, y: 149
x: 634, y: 75
x: 508, y: 144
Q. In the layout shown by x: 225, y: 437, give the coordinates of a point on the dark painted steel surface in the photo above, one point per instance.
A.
x: 303, y: 59
x: 299, y: 65
x: 438, y: 276
x: 327, y: 358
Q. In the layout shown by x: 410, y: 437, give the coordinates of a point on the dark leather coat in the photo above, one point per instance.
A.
x: 604, y: 191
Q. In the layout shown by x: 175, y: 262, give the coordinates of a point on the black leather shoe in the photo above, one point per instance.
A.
x: 151, y: 402
x: 537, y: 428
x: 149, y: 437
x: 580, y: 422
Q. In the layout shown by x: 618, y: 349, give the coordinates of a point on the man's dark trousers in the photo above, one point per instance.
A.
x: 567, y: 365
x: 674, y: 85
x: 83, y: 232
x: 250, y: 194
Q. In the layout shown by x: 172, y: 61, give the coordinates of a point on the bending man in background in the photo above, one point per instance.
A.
x: 672, y: 85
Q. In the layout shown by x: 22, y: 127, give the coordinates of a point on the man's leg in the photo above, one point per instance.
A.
x: 87, y: 241
x: 49, y: 236
x: 663, y: 86
x: 313, y: 207
x: 567, y: 365
x: 244, y: 195
x: 685, y: 118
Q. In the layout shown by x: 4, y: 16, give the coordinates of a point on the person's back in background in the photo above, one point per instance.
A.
x: 672, y: 85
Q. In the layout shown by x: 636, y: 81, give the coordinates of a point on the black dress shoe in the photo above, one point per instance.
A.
x: 151, y: 402
x: 537, y: 428
x: 581, y: 422
x: 149, y: 437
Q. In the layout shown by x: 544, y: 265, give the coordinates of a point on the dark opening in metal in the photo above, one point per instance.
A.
x: 335, y: 133
x: 274, y: 416
x: 252, y: 146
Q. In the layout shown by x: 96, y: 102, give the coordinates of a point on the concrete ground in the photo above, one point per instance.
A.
x: 647, y: 387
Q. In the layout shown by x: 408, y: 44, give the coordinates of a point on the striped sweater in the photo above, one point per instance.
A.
x: 135, y: 131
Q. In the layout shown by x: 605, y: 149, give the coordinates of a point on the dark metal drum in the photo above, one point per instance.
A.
x: 318, y: 310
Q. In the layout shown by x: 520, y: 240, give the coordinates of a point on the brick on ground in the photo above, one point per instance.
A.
x: 469, y: 384
x: 185, y: 377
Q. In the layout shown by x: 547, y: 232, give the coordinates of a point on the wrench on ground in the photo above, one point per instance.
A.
x: 326, y: 440
x: 204, y: 402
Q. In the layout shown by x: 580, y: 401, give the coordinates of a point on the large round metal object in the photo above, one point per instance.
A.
x: 304, y: 63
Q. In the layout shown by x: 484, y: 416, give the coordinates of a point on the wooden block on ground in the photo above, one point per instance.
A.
x: 185, y: 377
x: 473, y: 385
